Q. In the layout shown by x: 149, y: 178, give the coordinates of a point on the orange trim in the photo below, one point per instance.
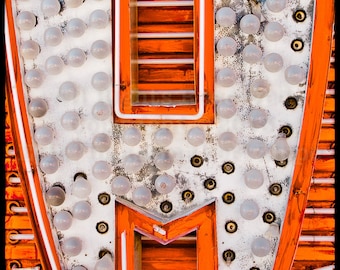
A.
x: 203, y: 221
x: 310, y: 130
x: 19, y: 151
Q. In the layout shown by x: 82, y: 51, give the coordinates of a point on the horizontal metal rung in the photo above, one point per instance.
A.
x: 21, y: 236
x: 320, y: 211
x: 325, y: 152
x: 328, y: 121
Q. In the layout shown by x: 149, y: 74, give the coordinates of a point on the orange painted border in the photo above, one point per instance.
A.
x: 309, y: 136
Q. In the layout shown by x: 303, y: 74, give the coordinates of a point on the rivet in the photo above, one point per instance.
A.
x: 231, y: 226
x: 104, y: 198
x: 268, y: 217
x: 228, y: 167
x: 102, y: 227
x: 228, y: 197
x: 275, y: 189
x: 196, y: 161
x: 166, y: 206
x: 210, y: 184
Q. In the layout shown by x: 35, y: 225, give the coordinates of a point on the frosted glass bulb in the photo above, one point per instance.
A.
x: 34, y: 78
x: 54, y: 65
x: 43, y: 135
x: 257, y: 118
x: 100, y: 49
x: 101, y: 142
x: 98, y: 19
x: 100, y: 81
x: 259, y: 88
x: 132, y: 136
x: 120, y: 185
x: 101, y: 169
x: 227, y: 141
x: 81, y: 187
x: 53, y: 36
x: 68, y: 91
x: 252, y: 54
x: 253, y: 178
x: 75, y: 57
x: 226, y: 46
x: 295, y: 74
x: 29, y: 49
x: 141, y: 196
x: 55, y: 196
x: 26, y: 20
x: 273, y: 62
x: 73, y: 3
x: 250, y: 24
x: 37, y: 107
x: 62, y: 220
x: 226, y: 77
x: 101, y: 111
x: 105, y: 263
x: 196, y: 136
x: 226, y: 108
x: 273, y: 31
x: 50, y: 8
x: 76, y: 27
x: 164, y: 183
x: 70, y: 120
x: 276, y: 5
x: 256, y: 148
x: 225, y: 16
x: 280, y: 150
x: 49, y: 164
x: 75, y: 150
x: 72, y: 246
x: 81, y: 210
x: 133, y: 163
x: 249, y: 209
x: 164, y: 160
x: 163, y: 137
x: 260, y: 246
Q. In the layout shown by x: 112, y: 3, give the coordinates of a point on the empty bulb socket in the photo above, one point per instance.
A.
x: 166, y: 207
x: 291, y: 103
x: 231, y: 226
x: 287, y: 130
x: 275, y: 189
x: 196, y: 161
x: 228, y: 197
x: 210, y: 184
x: 188, y: 195
x: 104, y: 198
x: 299, y: 15
x: 229, y: 255
x: 228, y: 167
x: 281, y: 163
x: 269, y: 217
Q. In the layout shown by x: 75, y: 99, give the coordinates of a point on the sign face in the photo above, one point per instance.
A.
x: 170, y: 112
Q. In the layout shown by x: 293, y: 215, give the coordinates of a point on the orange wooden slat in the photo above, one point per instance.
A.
x: 17, y: 222
x: 322, y: 193
x: 307, y: 265
x: 315, y: 252
x: 21, y: 251
x: 164, y: 15
x: 327, y: 134
x: 24, y: 263
x: 166, y: 46
x: 166, y: 74
x: 326, y: 164
x: 329, y: 105
x: 320, y: 204
x: 318, y: 225
x: 14, y: 193
x: 11, y: 164
x: 331, y: 74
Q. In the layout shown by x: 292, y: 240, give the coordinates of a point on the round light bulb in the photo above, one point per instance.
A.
x: 249, y: 209
x: 100, y: 49
x: 43, y: 135
x: 257, y: 118
x: 256, y: 148
x: 81, y: 187
x: 75, y: 150
x: 54, y: 65
x: 120, y: 185
x: 226, y: 17
x: 101, y: 111
x: 26, y: 20
x: 68, y: 91
x: 37, y: 107
x: 101, y: 142
x: 273, y: 62
x: 76, y: 27
x: 141, y: 196
x: 259, y: 88
x: 163, y: 137
x: 196, y: 136
x: 295, y: 74
x: 252, y: 54
x: 165, y: 183
x: 132, y: 136
x: 280, y: 150
x: 132, y: 163
x: 105, y: 263
x: 100, y: 81
x: 253, y: 178
x: 101, y: 170
x: 227, y: 141
x: 250, y: 24
x: 260, y: 246
x: 75, y: 57
x: 70, y: 120
x: 81, y: 210
x: 226, y: 108
x: 50, y: 8
x: 34, y: 78
x: 55, y: 196
x: 98, y: 19
x: 49, y: 164
x: 73, y: 3
x: 226, y: 77
x: 53, y: 36
x: 273, y: 31
x: 276, y: 5
x: 29, y: 49
x: 62, y: 220
x: 164, y: 160
x: 226, y: 46
x: 72, y: 246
